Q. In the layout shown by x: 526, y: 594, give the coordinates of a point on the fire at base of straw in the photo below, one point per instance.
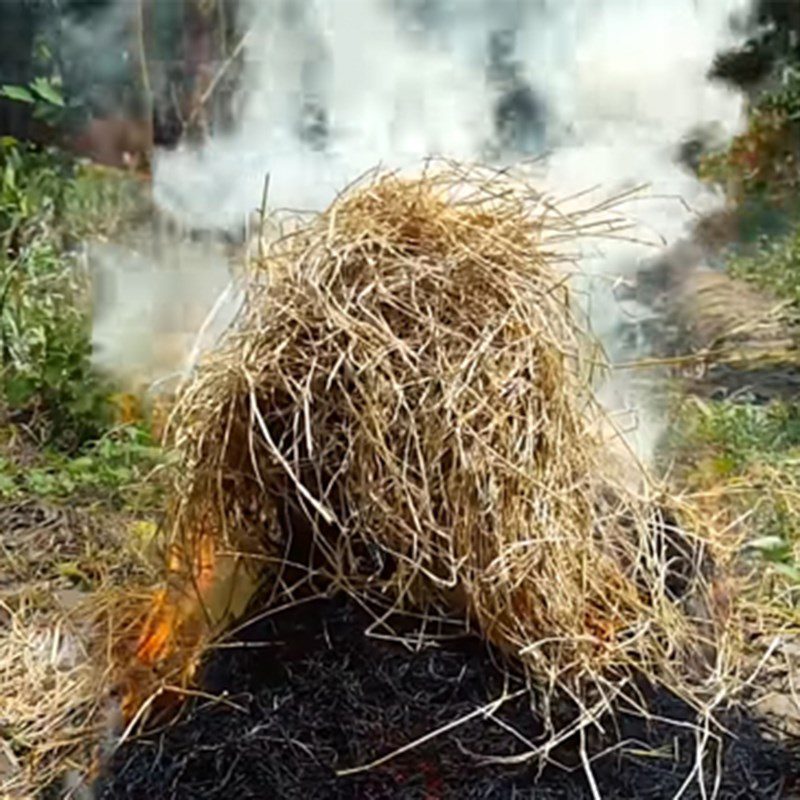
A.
x: 405, y: 410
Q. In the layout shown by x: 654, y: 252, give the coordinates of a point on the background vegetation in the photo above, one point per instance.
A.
x: 743, y: 459
x: 59, y: 419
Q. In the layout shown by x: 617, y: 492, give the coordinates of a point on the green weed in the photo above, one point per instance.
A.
x: 774, y: 266
x: 744, y: 462
x: 48, y: 205
x: 117, y: 471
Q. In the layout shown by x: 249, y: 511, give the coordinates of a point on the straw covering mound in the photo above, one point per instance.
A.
x: 405, y: 409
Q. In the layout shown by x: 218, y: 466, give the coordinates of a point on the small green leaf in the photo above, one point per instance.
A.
x: 42, y: 483
x: 48, y: 92
x: 767, y: 543
x: 8, y: 487
x: 19, y: 93
x: 81, y: 464
x: 71, y: 571
x: 9, y: 176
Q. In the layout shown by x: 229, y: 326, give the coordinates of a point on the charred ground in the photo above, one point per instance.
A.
x: 305, y: 693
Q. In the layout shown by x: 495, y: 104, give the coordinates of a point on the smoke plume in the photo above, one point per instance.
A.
x: 605, y: 90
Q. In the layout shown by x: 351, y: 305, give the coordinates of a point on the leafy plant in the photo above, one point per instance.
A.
x: 773, y: 265
x: 785, y: 99
x: 744, y: 463
x: 48, y: 203
x: 778, y: 552
x: 764, y: 161
x: 44, y: 94
x: 746, y: 431
x: 114, y: 470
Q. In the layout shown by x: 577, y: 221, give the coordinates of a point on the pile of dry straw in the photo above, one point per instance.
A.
x: 405, y: 410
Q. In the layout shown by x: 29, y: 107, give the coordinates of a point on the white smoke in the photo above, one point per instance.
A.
x: 151, y: 309
x: 390, y: 97
x: 335, y: 87
x: 622, y: 80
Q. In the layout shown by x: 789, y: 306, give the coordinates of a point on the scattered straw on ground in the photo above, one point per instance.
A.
x: 60, y: 604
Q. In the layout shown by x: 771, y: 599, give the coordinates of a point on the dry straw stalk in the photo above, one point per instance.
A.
x: 405, y: 409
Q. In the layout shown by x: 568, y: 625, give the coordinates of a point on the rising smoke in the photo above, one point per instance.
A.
x: 333, y: 87
x: 605, y: 88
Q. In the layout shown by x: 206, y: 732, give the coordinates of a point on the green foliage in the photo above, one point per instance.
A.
x: 47, y: 194
x: 763, y: 162
x: 743, y: 433
x: 48, y: 204
x: 745, y: 460
x: 785, y: 99
x: 31, y: 193
x: 46, y: 97
x: 54, y: 103
x: 774, y: 265
x: 779, y: 554
x: 18, y: 93
x: 99, y: 202
x: 114, y: 471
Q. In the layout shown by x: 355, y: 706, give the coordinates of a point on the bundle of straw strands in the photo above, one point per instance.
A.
x: 404, y: 409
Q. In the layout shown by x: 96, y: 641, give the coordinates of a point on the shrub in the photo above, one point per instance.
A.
x: 48, y: 204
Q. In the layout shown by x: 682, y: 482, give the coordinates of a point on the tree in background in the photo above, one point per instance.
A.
x: 93, y: 72
x: 784, y: 17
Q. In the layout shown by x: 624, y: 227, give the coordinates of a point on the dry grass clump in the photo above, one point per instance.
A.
x: 405, y: 408
x: 57, y: 703
x: 731, y: 321
x: 61, y: 642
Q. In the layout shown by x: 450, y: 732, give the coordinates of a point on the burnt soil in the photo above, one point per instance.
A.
x: 314, y: 695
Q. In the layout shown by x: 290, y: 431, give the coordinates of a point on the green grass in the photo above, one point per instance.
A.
x: 774, y: 266
x: 742, y: 434
x: 744, y: 461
